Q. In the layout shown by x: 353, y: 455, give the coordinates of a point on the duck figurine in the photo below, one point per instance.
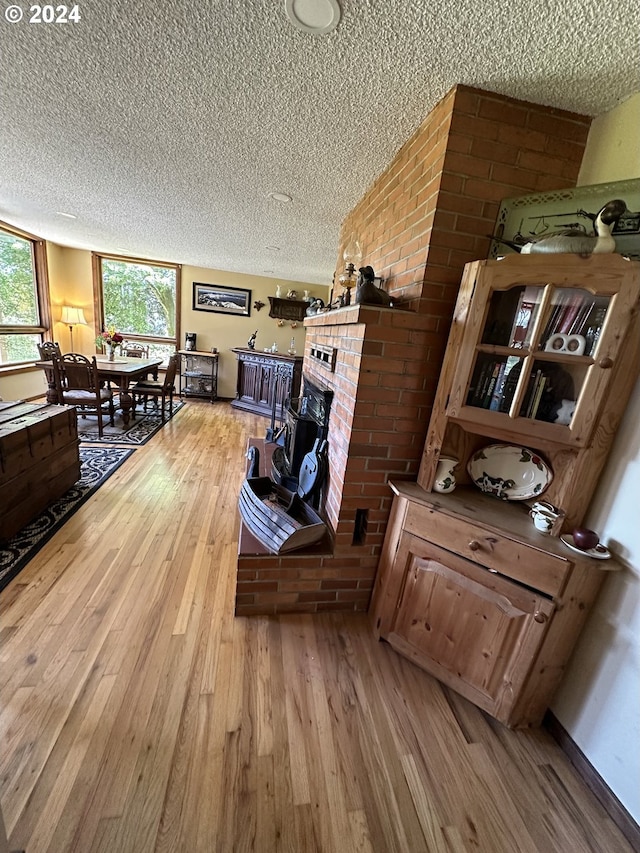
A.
x: 573, y: 240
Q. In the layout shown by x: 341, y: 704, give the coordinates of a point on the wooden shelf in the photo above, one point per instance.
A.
x: 288, y: 309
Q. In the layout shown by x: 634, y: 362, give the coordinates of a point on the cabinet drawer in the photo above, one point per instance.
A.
x: 537, y: 569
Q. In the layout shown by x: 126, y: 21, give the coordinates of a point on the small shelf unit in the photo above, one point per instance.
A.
x: 199, y: 374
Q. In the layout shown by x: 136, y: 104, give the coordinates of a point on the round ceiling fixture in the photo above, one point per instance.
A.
x: 283, y: 197
x: 316, y: 17
x: 66, y: 215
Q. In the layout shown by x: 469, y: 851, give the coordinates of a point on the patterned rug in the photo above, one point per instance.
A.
x: 97, y: 465
x: 138, y: 432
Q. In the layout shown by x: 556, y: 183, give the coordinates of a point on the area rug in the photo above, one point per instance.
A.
x: 137, y: 432
x: 97, y: 464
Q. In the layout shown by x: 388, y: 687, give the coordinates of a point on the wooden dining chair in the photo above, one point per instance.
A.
x: 158, y: 389
x: 78, y: 384
x: 134, y: 350
x: 48, y: 351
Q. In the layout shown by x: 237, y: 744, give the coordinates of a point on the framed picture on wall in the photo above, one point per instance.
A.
x: 221, y: 299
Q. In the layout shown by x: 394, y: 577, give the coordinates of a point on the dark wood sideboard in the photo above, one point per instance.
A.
x: 39, y: 460
x: 263, y: 377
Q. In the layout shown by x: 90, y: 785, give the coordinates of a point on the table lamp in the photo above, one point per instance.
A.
x: 72, y: 317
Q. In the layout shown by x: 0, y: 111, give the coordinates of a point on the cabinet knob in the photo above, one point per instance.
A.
x: 540, y: 617
x: 606, y: 363
x: 474, y: 545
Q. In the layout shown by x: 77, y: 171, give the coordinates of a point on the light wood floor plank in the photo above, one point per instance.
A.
x: 138, y: 715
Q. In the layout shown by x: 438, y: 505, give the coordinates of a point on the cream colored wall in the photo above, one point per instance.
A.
x: 613, y: 147
x: 598, y: 700
x: 225, y: 332
x: 70, y: 282
x: 22, y: 386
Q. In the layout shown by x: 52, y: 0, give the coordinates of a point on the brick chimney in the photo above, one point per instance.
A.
x: 424, y: 218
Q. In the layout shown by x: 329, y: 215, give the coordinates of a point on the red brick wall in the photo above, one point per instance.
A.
x: 431, y: 210
x: 379, y: 413
x: 423, y: 219
x: 381, y: 383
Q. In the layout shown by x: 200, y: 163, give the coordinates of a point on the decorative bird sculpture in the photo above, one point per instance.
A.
x: 573, y: 240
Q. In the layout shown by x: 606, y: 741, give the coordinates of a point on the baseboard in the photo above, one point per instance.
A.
x: 611, y: 804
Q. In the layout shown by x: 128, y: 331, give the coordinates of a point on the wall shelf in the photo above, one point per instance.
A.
x: 287, y: 309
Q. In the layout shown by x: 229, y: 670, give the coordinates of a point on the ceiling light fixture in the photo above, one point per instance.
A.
x: 315, y: 17
x: 283, y: 197
x: 67, y: 215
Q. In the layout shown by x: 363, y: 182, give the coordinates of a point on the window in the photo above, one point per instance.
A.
x: 140, y: 299
x: 24, y: 296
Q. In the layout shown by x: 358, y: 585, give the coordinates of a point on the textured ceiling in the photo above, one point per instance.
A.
x: 164, y: 127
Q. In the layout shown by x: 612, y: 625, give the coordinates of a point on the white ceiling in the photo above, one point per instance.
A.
x: 164, y: 127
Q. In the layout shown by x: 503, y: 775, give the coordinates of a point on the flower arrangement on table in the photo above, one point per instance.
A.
x: 109, y: 340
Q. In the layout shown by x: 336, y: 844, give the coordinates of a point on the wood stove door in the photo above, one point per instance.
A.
x: 300, y: 436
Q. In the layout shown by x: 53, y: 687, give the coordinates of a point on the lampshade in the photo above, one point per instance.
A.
x: 72, y: 316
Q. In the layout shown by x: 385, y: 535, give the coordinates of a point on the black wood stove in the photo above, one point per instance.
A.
x: 306, y: 420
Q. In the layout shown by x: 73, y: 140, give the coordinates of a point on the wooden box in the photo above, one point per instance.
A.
x: 278, y: 518
x: 39, y: 460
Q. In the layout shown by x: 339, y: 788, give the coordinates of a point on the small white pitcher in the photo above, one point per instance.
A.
x: 445, y: 480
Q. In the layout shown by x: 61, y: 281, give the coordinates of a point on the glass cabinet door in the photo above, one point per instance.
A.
x: 540, y: 357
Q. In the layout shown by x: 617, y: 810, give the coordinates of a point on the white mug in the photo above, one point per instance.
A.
x: 544, y: 516
x: 542, y: 521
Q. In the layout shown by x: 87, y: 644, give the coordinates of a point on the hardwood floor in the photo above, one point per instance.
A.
x: 138, y: 714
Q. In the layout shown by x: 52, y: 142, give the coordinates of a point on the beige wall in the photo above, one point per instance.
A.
x: 70, y: 281
x: 613, y: 146
x: 598, y: 700
x: 225, y: 332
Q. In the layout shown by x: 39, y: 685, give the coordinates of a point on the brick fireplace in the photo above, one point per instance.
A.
x: 426, y: 216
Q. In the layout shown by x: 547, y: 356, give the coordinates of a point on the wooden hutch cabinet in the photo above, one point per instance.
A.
x: 264, y: 378
x: 543, y: 354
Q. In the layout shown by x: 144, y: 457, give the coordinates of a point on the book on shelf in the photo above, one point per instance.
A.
x: 580, y: 320
x: 483, y: 383
x: 509, y: 385
x: 570, y: 313
x: 524, y: 319
x: 552, y: 322
x: 537, y: 396
x: 489, y: 377
x: 528, y: 397
x: 491, y: 384
x: 535, y: 389
x: 476, y: 382
x: 537, y: 384
x: 496, y: 397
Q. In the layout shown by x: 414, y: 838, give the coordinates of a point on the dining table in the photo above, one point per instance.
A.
x: 121, y: 372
